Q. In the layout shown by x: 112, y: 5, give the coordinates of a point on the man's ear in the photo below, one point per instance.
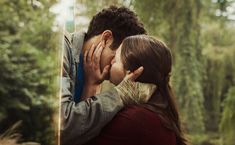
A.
x: 107, y: 36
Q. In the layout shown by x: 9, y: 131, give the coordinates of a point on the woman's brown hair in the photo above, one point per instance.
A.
x: 156, y: 58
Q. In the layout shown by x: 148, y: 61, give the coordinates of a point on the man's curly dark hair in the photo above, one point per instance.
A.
x: 121, y: 21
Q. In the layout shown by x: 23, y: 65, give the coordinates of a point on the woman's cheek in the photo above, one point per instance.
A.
x: 120, y: 74
x: 117, y: 74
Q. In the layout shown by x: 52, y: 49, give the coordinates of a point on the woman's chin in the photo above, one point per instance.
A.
x: 115, y: 82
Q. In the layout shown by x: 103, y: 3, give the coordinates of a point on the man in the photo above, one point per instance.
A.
x: 84, y: 113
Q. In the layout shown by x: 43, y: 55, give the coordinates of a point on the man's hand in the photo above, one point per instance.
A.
x: 132, y: 92
x: 132, y: 76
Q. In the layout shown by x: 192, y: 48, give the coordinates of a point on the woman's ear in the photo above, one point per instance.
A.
x: 107, y: 36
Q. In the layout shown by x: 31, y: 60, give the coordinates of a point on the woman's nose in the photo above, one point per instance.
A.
x: 113, y: 61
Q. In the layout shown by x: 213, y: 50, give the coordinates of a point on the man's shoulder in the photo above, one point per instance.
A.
x: 73, y: 43
x: 74, y: 35
x: 67, y: 35
x: 80, y: 34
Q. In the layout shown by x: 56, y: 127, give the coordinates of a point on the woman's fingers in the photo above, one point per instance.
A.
x: 95, y: 51
x: 97, y: 54
x: 105, y: 71
x: 85, y: 57
x: 134, y: 75
x: 90, y: 53
x: 92, y: 65
x: 92, y: 58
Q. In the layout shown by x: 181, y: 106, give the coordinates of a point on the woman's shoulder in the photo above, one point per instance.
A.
x: 139, y: 115
x: 137, y: 111
x: 149, y: 125
x: 136, y: 125
x: 134, y: 119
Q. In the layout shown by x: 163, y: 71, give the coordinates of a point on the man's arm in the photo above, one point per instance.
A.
x: 83, y: 120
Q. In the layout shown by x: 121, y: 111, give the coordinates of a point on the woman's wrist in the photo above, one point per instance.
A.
x: 90, y: 89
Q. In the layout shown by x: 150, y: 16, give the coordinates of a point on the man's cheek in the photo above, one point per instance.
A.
x: 106, y: 60
x: 104, y: 64
x: 107, y: 77
x: 102, y: 61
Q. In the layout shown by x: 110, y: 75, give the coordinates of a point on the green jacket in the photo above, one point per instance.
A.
x: 84, y: 120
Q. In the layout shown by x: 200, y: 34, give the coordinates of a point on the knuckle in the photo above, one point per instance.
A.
x: 96, y: 56
x: 96, y: 67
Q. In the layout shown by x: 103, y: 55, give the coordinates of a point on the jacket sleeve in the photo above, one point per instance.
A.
x: 82, y: 121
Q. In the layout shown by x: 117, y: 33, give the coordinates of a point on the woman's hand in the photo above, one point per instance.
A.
x: 91, y: 60
x: 92, y: 71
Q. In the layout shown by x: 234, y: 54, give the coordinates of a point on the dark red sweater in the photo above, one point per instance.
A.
x: 135, y: 125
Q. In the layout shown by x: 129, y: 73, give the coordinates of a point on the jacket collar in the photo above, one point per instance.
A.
x: 77, y: 40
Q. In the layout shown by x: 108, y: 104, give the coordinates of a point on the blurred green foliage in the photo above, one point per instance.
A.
x: 29, y: 69
x: 201, y: 37
x: 228, y: 117
x: 202, y: 43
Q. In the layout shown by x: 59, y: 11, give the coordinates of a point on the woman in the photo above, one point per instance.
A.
x: 156, y: 122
